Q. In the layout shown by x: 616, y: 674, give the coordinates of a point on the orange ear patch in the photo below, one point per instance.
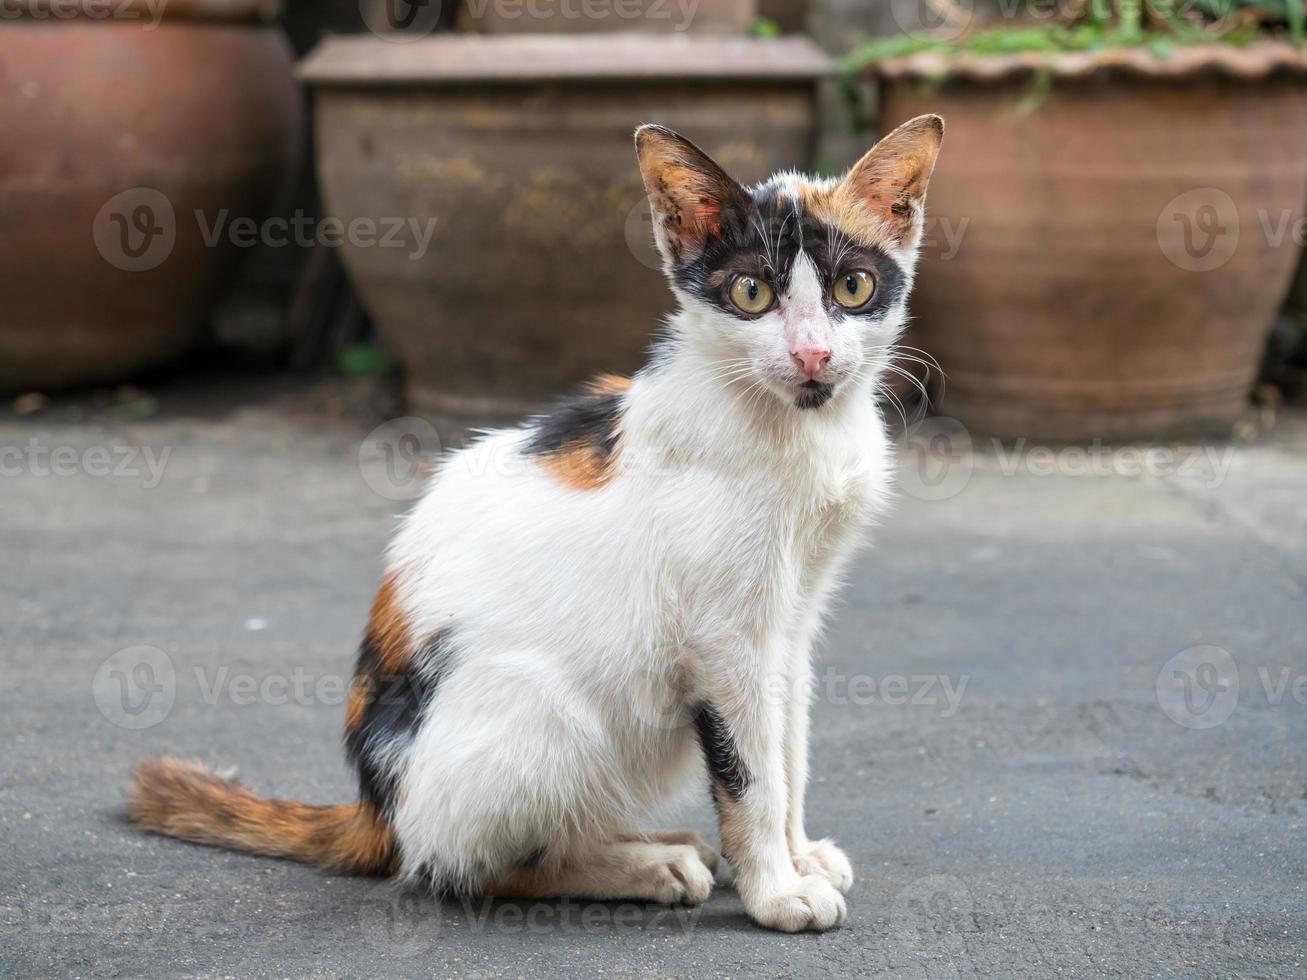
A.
x: 688, y: 192
x: 881, y: 199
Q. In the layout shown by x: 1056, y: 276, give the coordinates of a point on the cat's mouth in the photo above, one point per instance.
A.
x: 813, y: 394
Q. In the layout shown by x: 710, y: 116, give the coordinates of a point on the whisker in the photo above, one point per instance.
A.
x: 881, y: 388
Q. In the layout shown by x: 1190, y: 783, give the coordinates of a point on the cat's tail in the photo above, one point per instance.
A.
x: 185, y: 800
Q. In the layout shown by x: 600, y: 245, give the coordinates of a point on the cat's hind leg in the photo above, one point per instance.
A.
x: 689, y: 838
x: 629, y: 870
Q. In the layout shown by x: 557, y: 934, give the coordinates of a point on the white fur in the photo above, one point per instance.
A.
x: 584, y: 624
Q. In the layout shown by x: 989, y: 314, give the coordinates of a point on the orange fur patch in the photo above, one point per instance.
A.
x: 580, y: 466
x: 361, y: 694
x: 184, y: 800
x: 609, y: 384
x: 586, y: 461
x: 388, y: 629
x: 388, y: 634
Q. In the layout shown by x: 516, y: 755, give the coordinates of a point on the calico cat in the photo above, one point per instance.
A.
x: 583, y: 614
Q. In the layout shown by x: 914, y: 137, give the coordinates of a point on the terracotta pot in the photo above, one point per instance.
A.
x: 541, y: 270
x: 115, y: 135
x: 606, y: 16
x: 146, y: 11
x: 1107, y: 265
x: 791, y: 16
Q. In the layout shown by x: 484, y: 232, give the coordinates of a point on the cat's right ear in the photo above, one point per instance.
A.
x: 692, y: 198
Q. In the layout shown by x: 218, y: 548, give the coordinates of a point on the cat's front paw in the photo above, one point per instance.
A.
x: 824, y: 858
x: 811, y: 904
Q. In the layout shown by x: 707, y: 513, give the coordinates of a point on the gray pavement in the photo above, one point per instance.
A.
x: 1061, y: 728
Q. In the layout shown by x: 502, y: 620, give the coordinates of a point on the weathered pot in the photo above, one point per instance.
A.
x: 1108, y: 264
x: 541, y: 269
x: 116, y: 133
x: 791, y: 16
x: 607, y: 16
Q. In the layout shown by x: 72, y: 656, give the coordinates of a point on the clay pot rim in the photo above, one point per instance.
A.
x: 55, y: 12
x: 1249, y: 62
x: 505, y: 59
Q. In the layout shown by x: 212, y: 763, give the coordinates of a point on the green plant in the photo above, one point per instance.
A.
x: 1094, y: 25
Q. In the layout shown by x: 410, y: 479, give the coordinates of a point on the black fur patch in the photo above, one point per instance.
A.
x: 391, y: 716
x: 589, y: 419
x: 815, y: 394
x: 763, y: 239
x: 727, y: 770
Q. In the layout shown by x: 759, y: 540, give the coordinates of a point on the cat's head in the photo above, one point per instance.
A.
x: 797, y: 285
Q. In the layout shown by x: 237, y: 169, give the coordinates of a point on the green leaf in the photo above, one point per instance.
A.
x: 1294, y: 16
x: 363, y: 361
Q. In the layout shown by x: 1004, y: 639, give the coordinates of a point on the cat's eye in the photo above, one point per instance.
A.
x: 751, y: 295
x: 854, y: 289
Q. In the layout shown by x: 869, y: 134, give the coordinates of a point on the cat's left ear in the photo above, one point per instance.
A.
x: 693, y: 199
x: 888, y: 185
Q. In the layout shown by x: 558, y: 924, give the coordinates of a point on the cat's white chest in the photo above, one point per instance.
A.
x: 850, y: 483
x: 843, y: 501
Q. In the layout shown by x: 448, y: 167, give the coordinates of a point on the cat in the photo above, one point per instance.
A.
x: 583, y: 614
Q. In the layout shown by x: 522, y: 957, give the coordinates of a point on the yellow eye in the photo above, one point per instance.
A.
x: 854, y: 289
x: 751, y: 295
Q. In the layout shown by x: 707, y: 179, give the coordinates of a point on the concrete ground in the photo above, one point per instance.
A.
x: 1062, y: 726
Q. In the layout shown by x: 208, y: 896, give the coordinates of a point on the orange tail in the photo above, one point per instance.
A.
x: 183, y: 799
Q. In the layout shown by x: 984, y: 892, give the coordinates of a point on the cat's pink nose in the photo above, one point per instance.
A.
x: 811, y: 360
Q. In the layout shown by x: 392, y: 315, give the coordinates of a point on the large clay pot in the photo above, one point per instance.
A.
x: 116, y: 132
x: 541, y: 270
x: 1119, y: 252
